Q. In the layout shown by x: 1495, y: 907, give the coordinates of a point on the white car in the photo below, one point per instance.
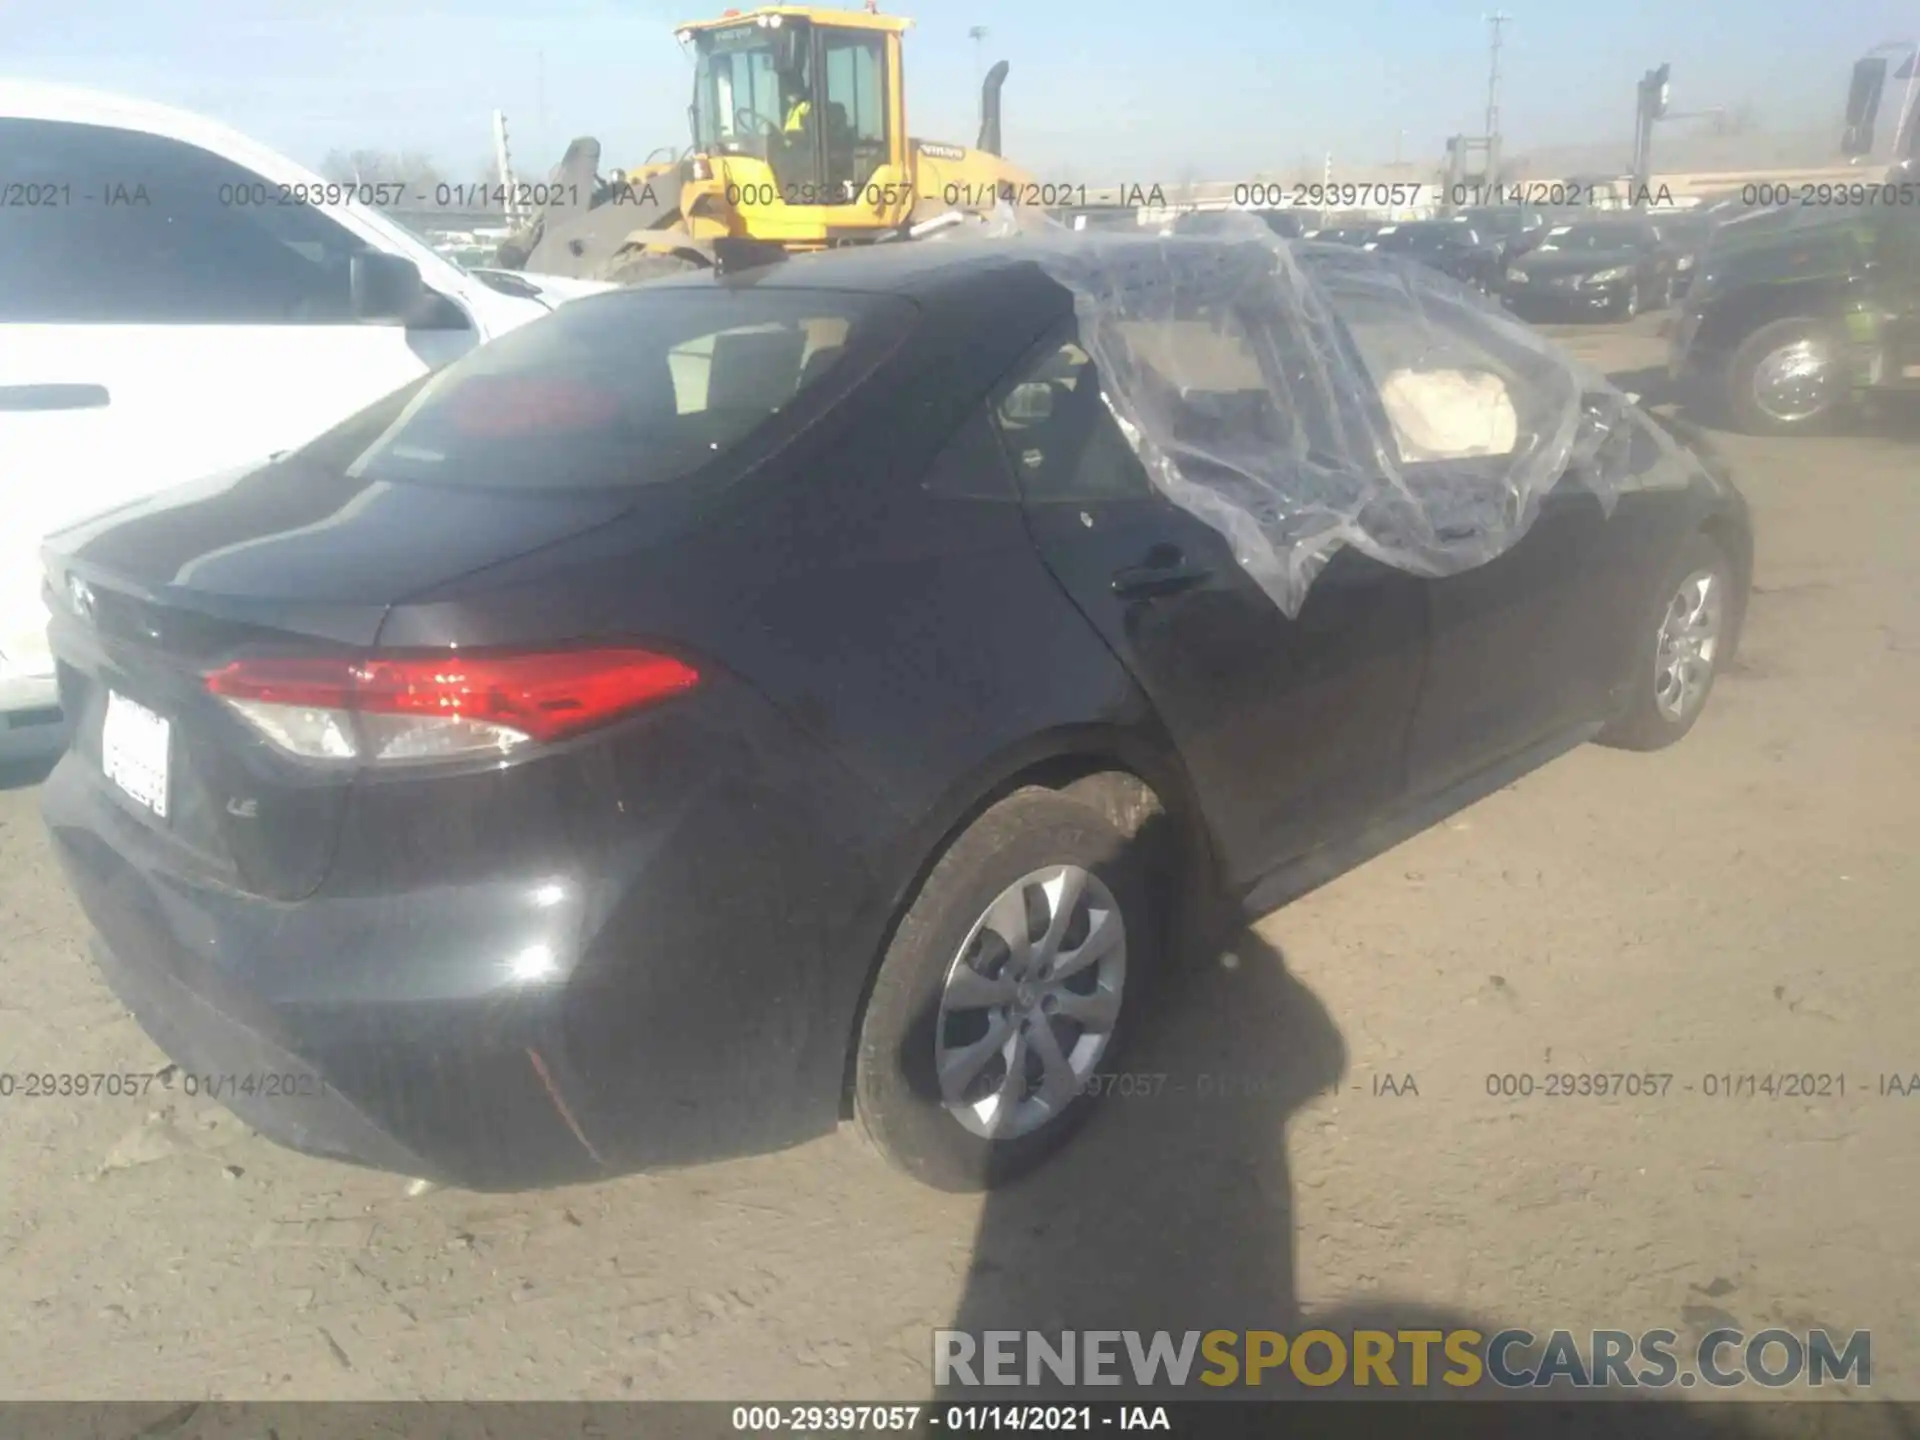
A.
x: 176, y: 300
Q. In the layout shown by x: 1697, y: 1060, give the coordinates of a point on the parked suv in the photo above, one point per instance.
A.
x: 176, y: 300
x: 1796, y: 312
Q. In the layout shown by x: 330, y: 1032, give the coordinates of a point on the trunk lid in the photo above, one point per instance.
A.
x: 283, y: 559
x: 642, y: 407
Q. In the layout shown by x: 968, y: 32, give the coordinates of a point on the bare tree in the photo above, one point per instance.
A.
x: 384, y: 167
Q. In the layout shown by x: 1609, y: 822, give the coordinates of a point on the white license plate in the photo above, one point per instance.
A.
x: 133, y: 751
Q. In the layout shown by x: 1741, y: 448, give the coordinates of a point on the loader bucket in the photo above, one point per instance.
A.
x: 578, y: 231
x: 583, y: 246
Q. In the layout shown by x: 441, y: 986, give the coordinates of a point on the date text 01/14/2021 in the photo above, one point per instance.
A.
x: 970, y: 1419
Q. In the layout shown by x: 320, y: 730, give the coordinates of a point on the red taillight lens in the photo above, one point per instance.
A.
x: 501, y: 407
x: 422, y: 707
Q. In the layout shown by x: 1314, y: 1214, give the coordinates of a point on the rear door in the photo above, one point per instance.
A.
x: 1290, y: 729
x: 1512, y: 656
x: 163, y: 316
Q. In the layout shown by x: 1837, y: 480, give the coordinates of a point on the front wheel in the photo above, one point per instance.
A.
x: 1629, y: 306
x: 1003, y: 992
x: 1785, y: 379
x: 1680, y: 641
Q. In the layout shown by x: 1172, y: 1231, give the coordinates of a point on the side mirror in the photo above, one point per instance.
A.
x: 1863, y: 105
x: 385, y: 287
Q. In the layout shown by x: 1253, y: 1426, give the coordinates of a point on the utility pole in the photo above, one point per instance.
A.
x: 1495, y: 21
x: 1652, y: 102
x: 503, y: 164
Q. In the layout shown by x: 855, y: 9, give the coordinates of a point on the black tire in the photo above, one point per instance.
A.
x: 1745, y: 411
x: 638, y: 267
x: 1641, y: 723
x: 897, y: 1104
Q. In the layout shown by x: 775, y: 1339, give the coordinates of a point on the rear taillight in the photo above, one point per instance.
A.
x: 446, y: 706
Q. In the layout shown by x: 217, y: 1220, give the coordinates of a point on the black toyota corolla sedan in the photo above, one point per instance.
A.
x: 747, y: 703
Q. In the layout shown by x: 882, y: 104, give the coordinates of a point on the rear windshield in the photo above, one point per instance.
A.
x: 643, y: 387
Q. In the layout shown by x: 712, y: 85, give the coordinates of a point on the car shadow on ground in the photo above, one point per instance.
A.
x: 1173, y: 1210
x: 23, y: 774
x: 1173, y: 1207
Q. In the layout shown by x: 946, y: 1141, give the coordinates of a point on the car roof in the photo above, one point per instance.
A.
x: 928, y: 268
x: 1610, y: 222
x: 78, y: 105
x: 970, y: 274
x: 912, y: 267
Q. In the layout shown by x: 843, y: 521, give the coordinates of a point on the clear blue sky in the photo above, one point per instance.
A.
x: 1121, y: 90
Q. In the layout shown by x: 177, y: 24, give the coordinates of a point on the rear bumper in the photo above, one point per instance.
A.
x: 251, y: 1001
x: 503, y: 1033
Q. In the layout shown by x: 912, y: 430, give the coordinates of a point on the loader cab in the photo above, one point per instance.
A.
x: 813, y: 95
x: 1887, y: 79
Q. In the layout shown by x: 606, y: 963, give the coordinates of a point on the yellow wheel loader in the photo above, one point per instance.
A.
x: 799, y: 122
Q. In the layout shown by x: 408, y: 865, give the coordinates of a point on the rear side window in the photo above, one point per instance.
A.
x: 643, y: 387
x: 1063, y: 441
x: 121, y: 227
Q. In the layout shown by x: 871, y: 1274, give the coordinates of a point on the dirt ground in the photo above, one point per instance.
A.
x: 1743, y: 904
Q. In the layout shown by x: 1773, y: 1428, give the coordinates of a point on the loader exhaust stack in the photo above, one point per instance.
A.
x: 990, y: 109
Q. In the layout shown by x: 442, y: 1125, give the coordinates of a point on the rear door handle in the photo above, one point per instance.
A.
x: 1166, y: 572
x: 52, y: 397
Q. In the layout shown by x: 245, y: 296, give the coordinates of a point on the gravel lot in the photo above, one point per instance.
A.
x: 1731, y: 906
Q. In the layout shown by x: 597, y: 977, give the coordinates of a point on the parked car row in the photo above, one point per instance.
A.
x: 1546, y: 264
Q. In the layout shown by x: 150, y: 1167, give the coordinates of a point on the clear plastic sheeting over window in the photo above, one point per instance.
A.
x: 1300, y: 397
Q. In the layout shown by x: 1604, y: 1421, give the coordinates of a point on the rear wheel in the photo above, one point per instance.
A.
x: 1003, y: 991
x: 1785, y: 379
x: 1680, y: 642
